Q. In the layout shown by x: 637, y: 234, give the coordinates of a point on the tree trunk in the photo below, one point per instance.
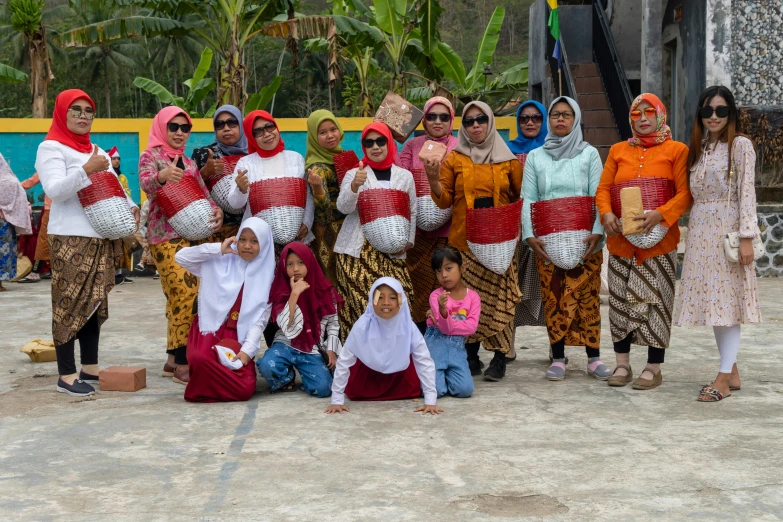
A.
x: 106, y: 87
x: 40, y: 73
x: 176, y: 66
x: 232, y: 70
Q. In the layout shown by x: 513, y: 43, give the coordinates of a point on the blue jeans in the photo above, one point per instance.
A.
x: 277, y: 367
x: 452, y: 374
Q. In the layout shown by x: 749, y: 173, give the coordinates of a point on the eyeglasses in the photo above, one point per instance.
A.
x: 367, y: 143
x: 721, y: 110
x: 650, y: 112
x: 78, y: 112
x: 481, y: 120
x: 231, y: 122
x: 260, y: 131
x: 535, y: 118
x: 436, y: 116
x: 557, y: 115
x: 184, y: 127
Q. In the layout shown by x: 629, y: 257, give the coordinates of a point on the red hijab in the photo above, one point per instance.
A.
x: 383, y: 130
x: 59, y: 129
x: 252, y: 146
x: 318, y: 301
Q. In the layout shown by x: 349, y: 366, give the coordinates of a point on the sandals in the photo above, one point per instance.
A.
x: 732, y: 388
x: 596, y: 368
x: 710, y: 394
x: 621, y: 380
x: 557, y: 371
x: 290, y: 387
x: 648, y: 384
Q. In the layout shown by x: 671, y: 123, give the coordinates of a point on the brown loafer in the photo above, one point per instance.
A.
x: 168, y: 370
x: 621, y: 380
x: 181, y: 376
x: 648, y: 384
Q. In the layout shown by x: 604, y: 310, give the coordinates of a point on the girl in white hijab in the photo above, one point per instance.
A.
x: 375, y: 362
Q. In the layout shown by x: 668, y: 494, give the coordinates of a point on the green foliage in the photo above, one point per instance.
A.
x: 10, y: 75
x: 263, y: 98
x: 26, y: 15
x: 486, y: 49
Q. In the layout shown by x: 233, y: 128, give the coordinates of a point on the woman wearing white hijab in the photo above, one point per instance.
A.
x: 375, y: 362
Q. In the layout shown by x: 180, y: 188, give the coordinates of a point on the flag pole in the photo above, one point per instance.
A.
x: 560, y: 80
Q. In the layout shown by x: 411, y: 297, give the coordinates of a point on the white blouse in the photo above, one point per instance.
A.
x: 286, y: 164
x: 425, y: 368
x: 60, y: 169
x: 350, y: 240
x: 330, y: 330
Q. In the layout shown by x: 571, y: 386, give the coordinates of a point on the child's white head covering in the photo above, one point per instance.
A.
x: 385, y: 345
x: 222, y: 279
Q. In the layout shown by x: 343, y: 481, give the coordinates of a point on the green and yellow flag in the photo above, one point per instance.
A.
x: 554, y: 19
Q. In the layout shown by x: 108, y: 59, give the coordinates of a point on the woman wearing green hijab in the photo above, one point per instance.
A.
x: 324, y: 135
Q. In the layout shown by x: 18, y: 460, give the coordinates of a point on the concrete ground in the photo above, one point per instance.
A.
x: 524, y: 448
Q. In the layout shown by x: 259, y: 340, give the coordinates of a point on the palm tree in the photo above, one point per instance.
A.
x: 108, y: 64
x: 179, y: 52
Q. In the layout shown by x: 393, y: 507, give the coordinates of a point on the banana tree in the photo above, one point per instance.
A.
x: 10, y: 75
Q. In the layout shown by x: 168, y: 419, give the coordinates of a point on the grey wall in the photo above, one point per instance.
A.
x: 537, y: 63
x: 576, y: 31
x: 626, y: 25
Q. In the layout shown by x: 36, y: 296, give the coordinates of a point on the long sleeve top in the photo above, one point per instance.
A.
x: 351, y: 238
x: 33, y: 181
x: 425, y: 368
x: 546, y: 179
x: 151, y: 162
x: 668, y: 160
x: 60, y: 170
x: 500, y: 181
x: 330, y: 330
x: 287, y: 164
x: 326, y: 211
x: 191, y: 259
x: 462, y: 316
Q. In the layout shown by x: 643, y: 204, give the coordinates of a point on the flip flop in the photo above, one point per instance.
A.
x: 732, y: 388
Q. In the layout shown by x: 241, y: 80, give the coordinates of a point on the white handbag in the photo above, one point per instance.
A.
x: 731, y: 242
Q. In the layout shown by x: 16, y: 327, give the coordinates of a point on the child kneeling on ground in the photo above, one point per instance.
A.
x: 453, y: 316
x: 375, y: 363
x: 305, y: 307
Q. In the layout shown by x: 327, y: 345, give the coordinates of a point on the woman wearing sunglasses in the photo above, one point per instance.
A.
x: 481, y: 172
x: 641, y: 281
x: 438, y: 123
x: 713, y: 291
x: 230, y: 140
x: 82, y: 261
x: 359, y: 264
x: 567, y: 166
x: 164, y: 162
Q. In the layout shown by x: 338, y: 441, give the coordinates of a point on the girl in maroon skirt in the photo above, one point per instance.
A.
x: 233, y: 310
x: 375, y: 362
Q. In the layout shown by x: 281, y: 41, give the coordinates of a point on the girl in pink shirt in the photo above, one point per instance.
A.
x: 453, y: 316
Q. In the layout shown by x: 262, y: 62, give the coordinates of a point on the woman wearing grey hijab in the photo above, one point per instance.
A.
x: 567, y: 166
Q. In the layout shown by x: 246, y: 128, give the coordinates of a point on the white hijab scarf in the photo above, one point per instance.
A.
x: 223, y: 277
x: 385, y: 345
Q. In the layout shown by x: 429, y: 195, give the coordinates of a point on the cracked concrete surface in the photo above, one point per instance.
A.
x: 524, y: 448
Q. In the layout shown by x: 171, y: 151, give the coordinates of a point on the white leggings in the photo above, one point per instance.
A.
x: 728, y: 339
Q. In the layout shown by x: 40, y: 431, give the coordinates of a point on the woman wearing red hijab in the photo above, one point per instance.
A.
x: 163, y: 162
x: 359, y: 264
x: 82, y: 261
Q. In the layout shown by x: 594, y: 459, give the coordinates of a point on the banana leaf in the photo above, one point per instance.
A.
x: 486, y: 49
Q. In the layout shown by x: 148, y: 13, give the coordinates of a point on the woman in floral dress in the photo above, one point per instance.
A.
x: 713, y: 291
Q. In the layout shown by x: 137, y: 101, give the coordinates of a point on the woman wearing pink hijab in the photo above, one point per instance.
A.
x: 163, y: 162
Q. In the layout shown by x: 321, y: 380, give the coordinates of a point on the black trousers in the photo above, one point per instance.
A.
x: 88, y: 337
x: 558, y: 350
x: 654, y: 355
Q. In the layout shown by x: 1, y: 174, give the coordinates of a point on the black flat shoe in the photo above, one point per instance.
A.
x: 497, y: 368
x: 77, y: 389
x: 86, y: 377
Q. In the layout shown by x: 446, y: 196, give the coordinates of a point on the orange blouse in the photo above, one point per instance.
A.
x: 668, y: 160
x: 500, y: 181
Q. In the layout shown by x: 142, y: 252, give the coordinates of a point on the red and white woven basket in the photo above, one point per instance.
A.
x: 429, y: 216
x: 563, y: 224
x: 343, y: 162
x: 656, y: 192
x: 492, y: 235
x: 281, y: 203
x: 220, y: 185
x: 186, y: 208
x: 522, y: 159
x: 106, y: 206
x: 385, y: 215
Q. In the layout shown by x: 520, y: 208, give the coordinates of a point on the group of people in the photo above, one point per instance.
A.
x: 355, y: 321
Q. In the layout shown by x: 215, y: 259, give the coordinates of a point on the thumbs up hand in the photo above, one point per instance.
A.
x: 96, y: 163
x: 212, y: 166
x: 359, y: 179
x: 171, y: 173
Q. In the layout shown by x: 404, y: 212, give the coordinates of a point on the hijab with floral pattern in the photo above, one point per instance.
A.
x: 662, y: 131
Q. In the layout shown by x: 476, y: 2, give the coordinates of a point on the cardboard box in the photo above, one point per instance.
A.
x: 122, y: 378
x: 400, y: 115
x: 40, y: 351
x: 631, y: 201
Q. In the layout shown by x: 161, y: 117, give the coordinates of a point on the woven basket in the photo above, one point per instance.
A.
x: 492, y: 235
x: 106, y: 206
x: 186, y: 208
x: 522, y: 159
x: 563, y: 224
x: 656, y: 192
x: 343, y: 162
x: 220, y: 185
x: 429, y: 216
x: 281, y: 203
x: 385, y: 215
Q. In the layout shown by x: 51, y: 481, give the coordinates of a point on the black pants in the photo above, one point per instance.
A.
x: 88, y: 337
x: 422, y: 326
x: 654, y: 355
x: 180, y: 355
x: 558, y: 350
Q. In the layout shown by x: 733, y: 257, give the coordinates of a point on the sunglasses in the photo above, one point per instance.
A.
x: 260, y: 131
x: 721, y: 110
x: 367, y: 143
x: 481, y: 120
x: 650, y: 112
x: 231, y: 122
x: 184, y: 127
x: 78, y: 112
x: 535, y: 118
x: 435, y: 117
